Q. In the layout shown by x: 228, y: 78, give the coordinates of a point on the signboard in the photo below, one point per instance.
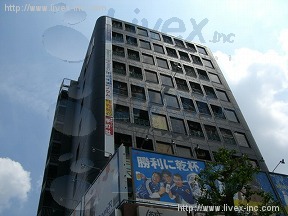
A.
x: 260, y: 182
x: 109, y: 122
x: 108, y: 190
x: 281, y: 184
x: 144, y: 211
x: 165, y: 178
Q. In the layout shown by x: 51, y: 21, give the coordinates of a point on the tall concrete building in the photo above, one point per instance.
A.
x: 144, y: 89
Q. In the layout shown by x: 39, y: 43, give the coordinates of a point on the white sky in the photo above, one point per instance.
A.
x: 32, y: 68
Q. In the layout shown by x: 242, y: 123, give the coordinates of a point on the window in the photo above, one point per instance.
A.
x: 184, y: 56
x: 117, y: 38
x: 203, y: 75
x: 214, y: 78
x: 145, y: 44
x: 155, y: 97
x: 131, y: 40
x: 212, y: 133
x: 196, y: 88
x: 179, y: 43
x: 141, y: 117
x: 144, y: 143
x: 134, y: 55
x: 171, y: 101
x: 191, y: 47
x: 138, y: 92
x: 184, y: 151
x: 171, y: 52
x: 181, y: 84
x: 123, y: 139
x: 165, y: 148
x: 151, y: 76
x: 176, y: 67
x: 119, y: 68
x: 227, y: 136
x: 130, y: 28
x: 142, y: 32
x: 167, y: 39
x: 178, y: 125
x: 166, y: 80
x: 158, y: 48
x: 155, y: 35
x: 203, y: 154
x: 222, y: 95
x: 196, y: 60
x: 207, y: 63
x: 121, y: 113
x: 159, y: 121
x: 135, y: 72
x: 120, y: 88
x: 116, y: 24
x: 241, y: 139
x: 162, y: 63
x: 231, y: 115
x: 188, y: 104
x: 209, y: 91
x: 202, y: 50
x: 190, y: 71
x: 148, y: 59
x: 119, y: 51
x: 195, y: 129
x: 217, y: 111
x: 203, y: 108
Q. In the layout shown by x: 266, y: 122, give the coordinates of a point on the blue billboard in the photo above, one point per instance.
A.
x: 165, y: 178
x: 281, y: 184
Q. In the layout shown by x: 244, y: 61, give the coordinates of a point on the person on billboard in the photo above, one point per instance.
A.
x: 167, y: 179
x: 181, y: 190
x: 192, y: 180
x: 151, y: 188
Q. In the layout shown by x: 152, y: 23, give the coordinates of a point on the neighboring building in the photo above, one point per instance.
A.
x: 143, y: 89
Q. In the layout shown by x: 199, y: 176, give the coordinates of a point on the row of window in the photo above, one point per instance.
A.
x: 195, y: 129
x: 172, y: 102
x: 176, y: 67
x: 167, y: 83
x: 167, y: 148
x: 158, y: 36
x: 134, y: 55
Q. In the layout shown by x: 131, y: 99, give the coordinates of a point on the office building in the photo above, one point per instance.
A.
x: 144, y: 89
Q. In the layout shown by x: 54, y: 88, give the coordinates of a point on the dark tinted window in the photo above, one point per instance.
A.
x: 142, y: 32
x: 167, y: 39
x: 212, y: 133
x: 166, y: 80
x: 181, y: 84
x: 178, y: 125
x: 148, y: 59
x: 145, y: 44
x: 155, y: 35
x: 155, y: 97
x: 171, y: 101
x: 203, y: 108
x: 195, y: 129
x: 188, y: 104
x: 138, y: 92
x: 151, y: 76
x: 162, y: 63
x: 158, y: 48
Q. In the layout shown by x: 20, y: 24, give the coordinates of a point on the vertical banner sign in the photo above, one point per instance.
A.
x: 281, y: 184
x: 109, y: 122
x: 165, y: 178
x: 104, y: 195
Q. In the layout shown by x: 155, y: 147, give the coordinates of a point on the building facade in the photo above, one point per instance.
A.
x: 143, y: 89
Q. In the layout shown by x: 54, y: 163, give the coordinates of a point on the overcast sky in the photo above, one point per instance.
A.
x: 39, y: 49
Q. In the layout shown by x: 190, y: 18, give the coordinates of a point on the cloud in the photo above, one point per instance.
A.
x: 259, y: 82
x: 283, y: 40
x: 15, y: 183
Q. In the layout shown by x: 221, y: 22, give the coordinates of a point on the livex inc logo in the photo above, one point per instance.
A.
x: 169, y: 26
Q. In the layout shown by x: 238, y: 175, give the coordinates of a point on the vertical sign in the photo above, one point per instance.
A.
x: 109, y: 122
x: 109, y: 189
